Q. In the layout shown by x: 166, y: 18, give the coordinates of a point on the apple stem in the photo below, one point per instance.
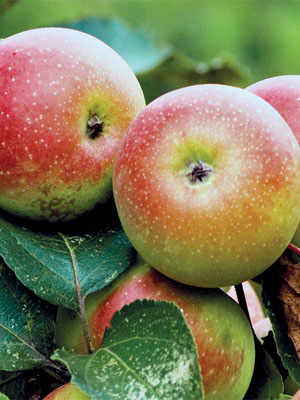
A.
x: 294, y: 249
x: 81, y: 304
x: 58, y: 376
x: 242, y: 299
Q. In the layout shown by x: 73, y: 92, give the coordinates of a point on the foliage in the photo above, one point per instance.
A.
x: 55, y: 262
x: 271, y: 297
x: 26, y: 326
x: 148, y: 352
x: 259, y: 34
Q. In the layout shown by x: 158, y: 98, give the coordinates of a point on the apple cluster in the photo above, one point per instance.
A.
x: 206, y: 181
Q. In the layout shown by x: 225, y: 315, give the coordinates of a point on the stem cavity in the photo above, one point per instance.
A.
x: 94, y: 127
x: 198, y: 172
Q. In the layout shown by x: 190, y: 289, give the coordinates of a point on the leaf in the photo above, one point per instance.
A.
x: 266, y: 382
x: 273, y: 282
x: 12, y: 384
x: 84, y: 256
x: 290, y: 298
x: 177, y: 70
x: 26, y: 326
x: 136, y: 47
x: 148, y: 353
x: 3, y: 397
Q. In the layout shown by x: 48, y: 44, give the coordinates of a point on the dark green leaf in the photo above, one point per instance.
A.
x: 134, y: 46
x: 12, y: 384
x: 176, y: 71
x: 267, y: 382
x: 290, y: 386
x: 148, y: 353
x: 26, y: 325
x: 92, y: 253
x: 273, y: 306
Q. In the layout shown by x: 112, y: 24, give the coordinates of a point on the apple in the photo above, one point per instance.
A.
x: 283, y: 93
x: 66, y: 100
x: 206, y: 183
x: 69, y: 391
x: 221, y: 331
x: 297, y: 396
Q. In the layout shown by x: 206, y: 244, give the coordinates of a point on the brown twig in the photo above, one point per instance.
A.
x: 242, y: 299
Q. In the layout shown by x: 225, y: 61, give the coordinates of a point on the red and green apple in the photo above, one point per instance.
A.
x: 207, y: 185
x: 283, y: 93
x: 296, y: 396
x: 222, y: 333
x: 66, y: 100
x: 69, y: 391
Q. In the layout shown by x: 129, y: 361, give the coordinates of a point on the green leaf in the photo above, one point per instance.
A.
x: 136, y: 47
x: 26, y: 325
x: 177, y: 70
x: 148, y: 353
x: 273, y: 306
x: 266, y: 382
x: 84, y: 256
x: 3, y: 397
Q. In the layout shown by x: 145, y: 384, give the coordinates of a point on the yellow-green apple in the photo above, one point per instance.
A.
x: 66, y: 99
x: 283, y: 93
x: 69, y: 391
x: 206, y: 184
x: 221, y: 331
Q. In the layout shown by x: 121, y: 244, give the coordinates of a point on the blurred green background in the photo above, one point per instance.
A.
x: 176, y: 43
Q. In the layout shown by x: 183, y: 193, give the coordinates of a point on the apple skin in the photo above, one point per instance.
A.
x: 238, y: 220
x: 221, y: 331
x: 54, y: 82
x: 296, y: 396
x: 69, y: 391
x: 283, y: 93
